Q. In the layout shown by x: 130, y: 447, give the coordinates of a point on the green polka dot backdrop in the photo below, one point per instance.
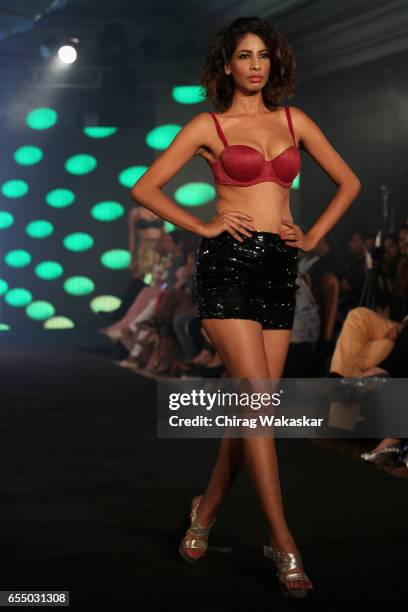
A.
x: 64, y: 206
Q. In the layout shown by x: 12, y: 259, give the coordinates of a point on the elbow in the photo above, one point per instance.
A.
x: 135, y: 193
x: 353, y: 185
x: 356, y: 185
x: 138, y: 191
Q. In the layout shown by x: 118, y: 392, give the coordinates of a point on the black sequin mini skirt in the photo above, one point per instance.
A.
x: 254, y: 279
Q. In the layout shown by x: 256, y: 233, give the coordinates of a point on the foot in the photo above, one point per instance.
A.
x: 158, y: 368
x: 385, y: 443
x: 287, y: 545
x: 113, y: 334
x: 202, y: 357
x: 130, y: 362
x: 374, y: 371
x: 214, y: 362
x: 196, y: 553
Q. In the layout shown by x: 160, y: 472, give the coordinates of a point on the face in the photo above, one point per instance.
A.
x: 403, y: 241
x: 250, y: 59
x: 390, y: 248
x: 356, y: 244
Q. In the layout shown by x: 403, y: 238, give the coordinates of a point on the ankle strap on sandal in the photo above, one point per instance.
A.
x: 285, y: 562
x: 195, y: 527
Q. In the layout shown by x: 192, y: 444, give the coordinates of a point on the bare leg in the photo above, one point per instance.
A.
x: 231, y: 455
x: 386, y: 442
x: 375, y: 371
x: 264, y: 357
x: 229, y: 462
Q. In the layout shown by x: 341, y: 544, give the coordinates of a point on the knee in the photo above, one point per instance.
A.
x: 356, y: 314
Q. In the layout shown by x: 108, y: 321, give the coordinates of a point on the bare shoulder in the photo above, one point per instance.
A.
x: 204, y: 127
x: 201, y: 120
x: 299, y: 117
x: 303, y: 125
x: 198, y: 129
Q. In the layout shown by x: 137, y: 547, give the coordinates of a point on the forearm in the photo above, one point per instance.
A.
x: 156, y: 201
x: 341, y: 201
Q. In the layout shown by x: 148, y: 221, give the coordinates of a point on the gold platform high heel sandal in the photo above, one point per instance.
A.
x: 192, y: 549
x: 285, y: 563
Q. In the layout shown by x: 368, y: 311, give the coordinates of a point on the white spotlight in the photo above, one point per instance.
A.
x: 67, y: 54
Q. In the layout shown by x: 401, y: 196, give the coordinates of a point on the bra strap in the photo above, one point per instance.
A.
x: 290, y: 123
x: 219, y: 130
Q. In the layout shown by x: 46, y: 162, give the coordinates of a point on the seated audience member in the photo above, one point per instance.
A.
x: 321, y: 260
x: 366, y: 339
x: 399, y: 284
x: 172, y: 301
x: 369, y: 240
x: 306, y: 322
x: 353, y: 273
x: 391, y: 258
x: 370, y: 344
x: 149, y: 245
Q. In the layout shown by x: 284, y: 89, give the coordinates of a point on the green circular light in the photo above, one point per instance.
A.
x: 296, y: 182
x: 4, y: 327
x: 100, y: 132
x: 41, y: 118
x: 195, y: 194
x: 78, y: 241
x: 79, y: 285
x: 28, y: 155
x: 58, y: 323
x: 106, y: 303
x: 14, y: 188
x: 3, y: 286
x: 18, y: 297
x: 129, y: 176
x: 188, y: 94
x: 40, y: 310
x: 49, y: 270
x: 39, y: 229
x: 60, y: 198
x: 17, y: 258
x: 107, y: 211
x: 162, y: 136
x: 116, y: 259
x: 6, y: 219
x: 80, y: 164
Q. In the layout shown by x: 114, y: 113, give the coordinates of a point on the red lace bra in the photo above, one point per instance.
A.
x: 243, y: 165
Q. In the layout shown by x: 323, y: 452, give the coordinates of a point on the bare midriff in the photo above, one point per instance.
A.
x: 150, y: 233
x: 265, y: 202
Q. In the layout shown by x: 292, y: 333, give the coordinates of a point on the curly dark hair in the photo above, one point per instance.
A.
x: 219, y: 87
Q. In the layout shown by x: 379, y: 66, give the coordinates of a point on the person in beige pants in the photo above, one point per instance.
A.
x: 366, y: 339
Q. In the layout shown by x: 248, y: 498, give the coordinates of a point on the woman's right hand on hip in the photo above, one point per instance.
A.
x: 230, y: 221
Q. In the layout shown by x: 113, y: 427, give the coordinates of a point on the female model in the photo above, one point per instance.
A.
x: 145, y: 232
x: 246, y: 260
x: 146, y: 240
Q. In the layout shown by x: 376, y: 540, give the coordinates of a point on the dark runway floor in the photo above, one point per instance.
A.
x: 92, y: 500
